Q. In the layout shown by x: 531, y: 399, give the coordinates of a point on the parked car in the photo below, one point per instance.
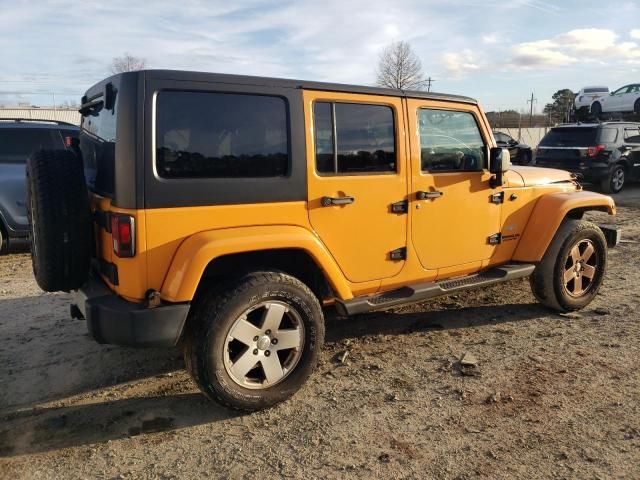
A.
x: 224, y: 212
x: 18, y: 139
x: 521, y: 153
x: 625, y: 99
x: 607, y: 154
x: 587, y: 95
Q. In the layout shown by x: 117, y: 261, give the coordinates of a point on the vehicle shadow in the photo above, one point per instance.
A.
x: 398, y: 323
x: 47, y: 429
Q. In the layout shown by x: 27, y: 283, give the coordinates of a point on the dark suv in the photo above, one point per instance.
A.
x: 18, y: 139
x: 606, y: 153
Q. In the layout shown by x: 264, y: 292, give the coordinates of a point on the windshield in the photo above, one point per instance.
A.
x: 570, y: 137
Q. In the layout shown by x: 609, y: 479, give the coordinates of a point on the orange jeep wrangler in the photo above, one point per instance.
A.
x: 222, y: 213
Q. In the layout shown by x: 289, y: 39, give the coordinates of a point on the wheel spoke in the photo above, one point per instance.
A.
x: 588, y: 252
x: 589, y: 271
x: 245, y: 363
x: 569, y: 275
x: 288, y: 339
x: 575, y: 255
x: 273, y: 316
x: 577, y: 286
x: 272, y: 368
x: 244, y: 331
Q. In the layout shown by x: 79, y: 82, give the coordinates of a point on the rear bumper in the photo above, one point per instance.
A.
x: 111, y: 319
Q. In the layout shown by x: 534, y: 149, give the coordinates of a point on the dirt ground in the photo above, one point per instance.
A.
x: 551, y: 396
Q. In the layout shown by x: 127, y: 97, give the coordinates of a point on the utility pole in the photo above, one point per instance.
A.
x: 429, y: 81
x: 531, y: 101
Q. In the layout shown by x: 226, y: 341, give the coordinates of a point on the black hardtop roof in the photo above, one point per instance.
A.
x: 35, y: 123
x: 284, y: 83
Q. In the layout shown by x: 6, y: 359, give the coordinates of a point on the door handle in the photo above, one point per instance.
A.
x: 428, y: 195
x: 330, y: 201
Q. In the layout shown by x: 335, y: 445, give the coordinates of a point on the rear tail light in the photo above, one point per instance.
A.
x: 594, y: 151
x: 123, y: 235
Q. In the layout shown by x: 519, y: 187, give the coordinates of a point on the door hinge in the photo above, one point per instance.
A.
x: 497, y: 198
x: 398, y: 254
x: 495, y: 239
x: 400, y: 207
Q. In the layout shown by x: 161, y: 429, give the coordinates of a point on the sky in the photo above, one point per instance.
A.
x: 499, y: 52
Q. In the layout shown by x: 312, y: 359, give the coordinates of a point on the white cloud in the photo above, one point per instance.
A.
x: 490, y: 39
x: 459, y: 63
x: 585, y: 45
x: 635, y: 33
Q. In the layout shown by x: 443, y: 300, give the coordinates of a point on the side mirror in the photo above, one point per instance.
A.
x: 499, y: 163
x: 499, y: 160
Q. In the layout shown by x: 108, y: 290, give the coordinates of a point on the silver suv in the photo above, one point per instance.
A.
x: 18, y: 139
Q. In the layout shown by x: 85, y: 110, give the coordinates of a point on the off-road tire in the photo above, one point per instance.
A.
x: 547, y: 281
x: 60, y: 220
x: 4, y: 241
x: 209, y: 325
x: 615, y: 180
x: 526, y: 157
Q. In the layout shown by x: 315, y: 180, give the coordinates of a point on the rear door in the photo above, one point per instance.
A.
x: 632, y: 141
x: 356, y: 172
x: 565, y: 147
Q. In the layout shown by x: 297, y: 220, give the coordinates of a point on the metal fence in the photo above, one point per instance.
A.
x: 62, y: 115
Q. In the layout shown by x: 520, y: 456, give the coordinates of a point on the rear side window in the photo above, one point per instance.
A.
x: 221, y: 135
x: 570, y: 137
x: 596, y: 90
x: 354, y: 138
x: 608, y: 135
x: 16, y: 144
x: 98, y: 137
x: 449, y: 141
x: 632, y: 135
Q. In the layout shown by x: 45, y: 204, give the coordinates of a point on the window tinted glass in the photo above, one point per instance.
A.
x: 364, y: 140
x: 596, y: 90
x: 324, y: 137
x: 500, y: 137
x: 221, y: 135
x: 98, y: 146
x: 16, y: 144
x: 449, y: 141
x: 608, y: 135
x: 569, y: 137
x: 632, y: 135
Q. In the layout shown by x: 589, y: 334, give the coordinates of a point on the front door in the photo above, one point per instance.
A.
x: 356, y: 171
x: 454, y: 219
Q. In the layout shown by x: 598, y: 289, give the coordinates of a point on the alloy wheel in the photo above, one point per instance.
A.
x: 264, y: 345
x: 580, y: 268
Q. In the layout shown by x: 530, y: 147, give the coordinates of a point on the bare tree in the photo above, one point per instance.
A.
x: 127, y: 63
x: 399, y: 67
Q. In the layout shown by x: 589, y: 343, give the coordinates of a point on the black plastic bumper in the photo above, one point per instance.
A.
x: 111, y: 319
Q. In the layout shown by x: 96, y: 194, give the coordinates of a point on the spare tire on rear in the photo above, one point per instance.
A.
x: 60, y: 219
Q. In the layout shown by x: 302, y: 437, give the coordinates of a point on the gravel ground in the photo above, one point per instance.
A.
x: 550, y: 396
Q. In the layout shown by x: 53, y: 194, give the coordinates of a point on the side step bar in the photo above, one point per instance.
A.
x: 427, y: 290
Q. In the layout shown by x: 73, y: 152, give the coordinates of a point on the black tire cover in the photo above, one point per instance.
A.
x: 60, y: 220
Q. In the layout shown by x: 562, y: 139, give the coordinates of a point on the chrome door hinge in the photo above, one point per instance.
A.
x: 497, y: 198
x: 495, y: 239
x: 398, y: 254
x: 400, y: 207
